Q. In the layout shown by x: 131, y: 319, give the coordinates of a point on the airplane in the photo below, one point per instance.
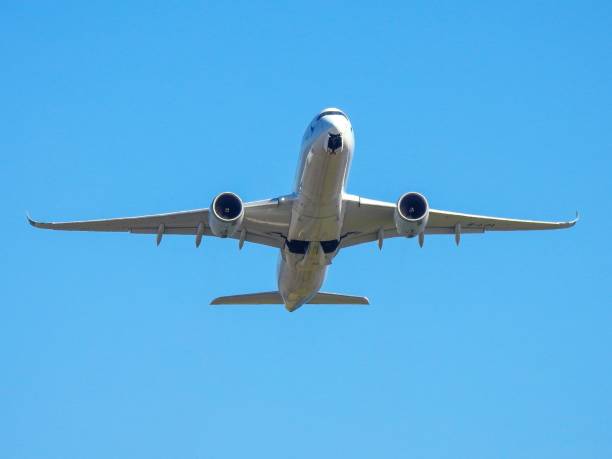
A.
x: 313, y: 223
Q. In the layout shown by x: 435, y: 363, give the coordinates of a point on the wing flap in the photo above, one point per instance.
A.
x: 441, y: 220
x: 365, y: 218
x: 180, y: 220
x: 266, y: 222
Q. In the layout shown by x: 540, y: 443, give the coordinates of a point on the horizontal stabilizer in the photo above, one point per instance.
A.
x: 337, y: 298
x: 275, y: 298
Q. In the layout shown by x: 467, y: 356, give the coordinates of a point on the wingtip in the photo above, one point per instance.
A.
x: 34, y: 223
x: 575, y: 220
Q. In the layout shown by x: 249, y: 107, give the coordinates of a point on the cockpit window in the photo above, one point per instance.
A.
x: 331, y: 112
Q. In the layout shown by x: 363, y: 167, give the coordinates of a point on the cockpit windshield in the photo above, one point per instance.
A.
x: 331, y: 112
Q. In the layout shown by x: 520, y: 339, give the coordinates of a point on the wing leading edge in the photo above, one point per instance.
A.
x: 265, y: 222
x: 366, y: 220
x: 444, y: 222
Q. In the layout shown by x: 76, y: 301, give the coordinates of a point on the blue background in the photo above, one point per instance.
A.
x: 499, y: 348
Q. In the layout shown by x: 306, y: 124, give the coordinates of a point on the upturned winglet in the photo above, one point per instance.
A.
x: 34, y: 223
x: 574, y: 221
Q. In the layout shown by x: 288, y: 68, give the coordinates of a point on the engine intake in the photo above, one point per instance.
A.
x: 411, y: 214
x: 226, y: 214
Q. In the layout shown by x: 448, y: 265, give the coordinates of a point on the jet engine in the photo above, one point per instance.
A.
x: 411, y: 214
x: 226, y: 214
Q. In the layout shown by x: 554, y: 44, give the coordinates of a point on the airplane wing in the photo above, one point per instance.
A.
x: 365, y: 220
x: 265, y: 222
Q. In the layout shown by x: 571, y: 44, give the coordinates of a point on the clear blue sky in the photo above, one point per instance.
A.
x: 499, y: 348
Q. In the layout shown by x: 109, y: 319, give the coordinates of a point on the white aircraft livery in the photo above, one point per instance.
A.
x: 312, y: 224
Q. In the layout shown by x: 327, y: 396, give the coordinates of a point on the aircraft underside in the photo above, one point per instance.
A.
x: 313, y: 223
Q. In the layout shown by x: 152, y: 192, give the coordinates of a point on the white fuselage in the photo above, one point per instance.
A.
x: 317, y: 212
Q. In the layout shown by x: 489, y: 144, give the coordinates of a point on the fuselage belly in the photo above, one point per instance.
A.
x: 317, y: 213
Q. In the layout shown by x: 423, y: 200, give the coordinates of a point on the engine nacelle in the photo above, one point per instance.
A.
x: 226, y: 214
x: 411, y: 214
